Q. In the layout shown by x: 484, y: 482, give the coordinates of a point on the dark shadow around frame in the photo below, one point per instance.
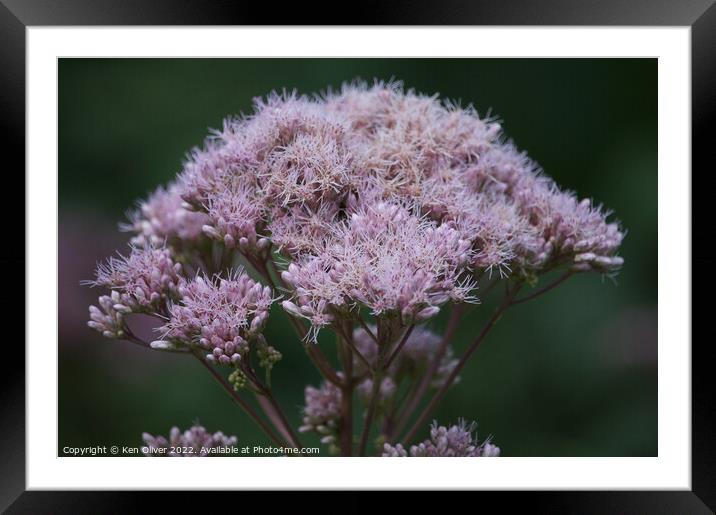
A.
x: 700, y: 15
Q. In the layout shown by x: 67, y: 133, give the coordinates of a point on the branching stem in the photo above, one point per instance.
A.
x: 241, y: 402
x: 547, y: 288
x: 507, y: 301
x: 419, y: 392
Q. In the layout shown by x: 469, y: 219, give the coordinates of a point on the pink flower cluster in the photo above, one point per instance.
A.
x: 144, y: 281
x: 194, y: 442
x: 219, y: 315
x: 446, y: 442
x: 387, y: 199
x: 322, y: 411
x: 163, y: 219
x: 106, y: 318
x: 370, y: 200
x: 382, y: 258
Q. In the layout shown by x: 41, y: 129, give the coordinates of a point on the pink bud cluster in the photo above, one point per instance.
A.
x: 383, y: 258
x: 105, y: 318
x: 164, y: 219
x: 144, y: 281
x: 300, y: 230
x: 291, y: 152
x: 234, y: 218
x: 446, y: 442
x: 219, y: 315
x: 459, y: 168
x: 322, y: 411
x: 194, y: 442
x: 554, y: 225
x: 576, y: 228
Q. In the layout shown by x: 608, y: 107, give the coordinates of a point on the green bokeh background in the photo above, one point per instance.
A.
x: 572, y: 374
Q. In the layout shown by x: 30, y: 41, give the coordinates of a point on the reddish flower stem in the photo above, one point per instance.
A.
x: 547, y: 288
x: 400, y: 345
x: 241, y: 402
x: 506, y: 303
x: 346, y: 426
x: 418, y: 394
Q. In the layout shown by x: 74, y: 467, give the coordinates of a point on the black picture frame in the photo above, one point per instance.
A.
x: 700, y: 15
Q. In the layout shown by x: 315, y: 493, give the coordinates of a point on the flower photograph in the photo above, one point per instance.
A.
x: 357, y: 257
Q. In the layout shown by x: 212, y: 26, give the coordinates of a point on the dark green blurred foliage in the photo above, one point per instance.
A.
x: 570, y: 374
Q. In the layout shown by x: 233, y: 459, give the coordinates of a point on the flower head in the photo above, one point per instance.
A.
x: 106, y: 318
x: 145, y: 280
x: 219, y: 315
x: 380, y: 199
x: 454, y: 441
x: 383, y: 258
x: 164, y: 219
x: 315, y: 167
x: 194, y: 442
x: 347, y: 152
x: 235, y: 217
x: 298, y: 169
x: 300, y: 230
x: 322, y: 411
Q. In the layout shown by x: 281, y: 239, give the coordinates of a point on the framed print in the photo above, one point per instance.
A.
x: 302, y: 260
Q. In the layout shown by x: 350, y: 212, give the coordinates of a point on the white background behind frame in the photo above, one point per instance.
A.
x: 670, y: 470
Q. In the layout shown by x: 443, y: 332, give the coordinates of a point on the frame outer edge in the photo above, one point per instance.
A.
x: 12, y: 145
x: 703, y: 84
